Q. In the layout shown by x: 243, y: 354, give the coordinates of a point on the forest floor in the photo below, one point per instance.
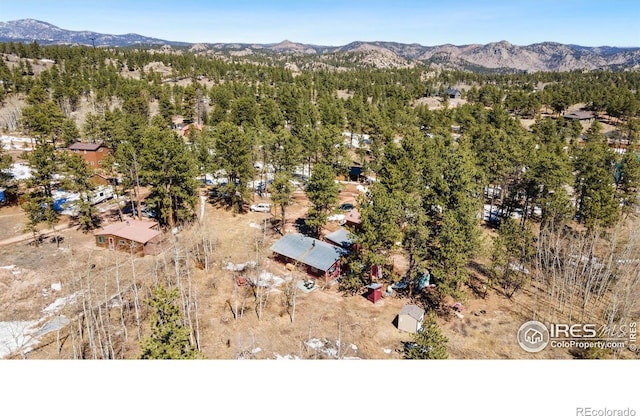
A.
x: 326, y: 324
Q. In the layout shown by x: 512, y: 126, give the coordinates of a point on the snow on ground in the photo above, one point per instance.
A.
x: 59, y: 303
x: 268, y: 280
x: 336, y: 218
x: 240, y: 266
x: 20, y: 171
x: 329, y: 348
x: 12, y: 268
x: 16, y: 143
x: 285, y: 357
x: 21, y: 336
x: 16, y: 336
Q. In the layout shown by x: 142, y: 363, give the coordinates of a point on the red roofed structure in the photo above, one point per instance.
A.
x: 139, y: 237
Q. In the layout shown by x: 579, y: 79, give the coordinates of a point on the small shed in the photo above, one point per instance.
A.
x: 410, y: 318
x: 374, y: 293
x: 352, y: 218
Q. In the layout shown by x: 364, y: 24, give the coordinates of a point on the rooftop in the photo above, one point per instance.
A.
x: 413, y: 311
x: 341, y: 237
x: 133, y: 230
x: 307, y: 250
x: 85, y: 146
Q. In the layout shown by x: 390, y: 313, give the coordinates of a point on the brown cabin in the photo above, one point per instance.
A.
x: 92, y: 153
x: 136, y: 236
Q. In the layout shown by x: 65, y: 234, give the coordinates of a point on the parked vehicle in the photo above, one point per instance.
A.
x: 102, y: 193
x: 260, y: 207
x: 346, y: 206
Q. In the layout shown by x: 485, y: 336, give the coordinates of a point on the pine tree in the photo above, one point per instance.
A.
x: 322, y: 191
x: 513, y: 252
x: 169, y: 338
x: 171, y: 171
x: 281, y: 191
x: 233, y: 154
x: 5, y: 164
x: 595, y: 165
x: 429, y: 343
x: 79, y: 180
x: 454, y: 206
x: 628, y: 181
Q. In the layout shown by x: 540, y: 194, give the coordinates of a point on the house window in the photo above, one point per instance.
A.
x: 101, y: 239
x: 100, y: 149
x: 122, y: 242
x: 91, y: 163
x: 100, y: 162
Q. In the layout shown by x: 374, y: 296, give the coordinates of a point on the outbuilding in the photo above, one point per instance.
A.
x: 410, y: 318
x: 374, y: 292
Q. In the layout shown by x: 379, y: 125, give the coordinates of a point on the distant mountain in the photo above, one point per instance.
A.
x: 500, y: 56
x: 28, y: 30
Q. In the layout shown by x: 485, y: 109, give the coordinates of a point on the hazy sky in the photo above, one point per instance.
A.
x: 335, y: 23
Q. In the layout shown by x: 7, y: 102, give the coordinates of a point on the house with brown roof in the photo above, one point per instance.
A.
x: 136, y: 236
x: 92, y: 153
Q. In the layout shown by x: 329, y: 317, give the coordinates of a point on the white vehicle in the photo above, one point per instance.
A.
x: 102, y: 193
x: 261, y: 207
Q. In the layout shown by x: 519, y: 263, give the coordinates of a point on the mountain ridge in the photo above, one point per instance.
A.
x: 542, y: 56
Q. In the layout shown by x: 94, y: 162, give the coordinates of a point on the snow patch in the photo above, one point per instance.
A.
x: 58, y: 304
x: 16, y: 336
x: 286, y: 357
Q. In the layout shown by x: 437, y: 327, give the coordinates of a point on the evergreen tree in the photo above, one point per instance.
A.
x: 281, y: 191
x: 170, y: 169
x: 322, y: 191
x: 454, y: 206
x: 628, y: 181
x: 169, y: 338
x: 429, y: 343
x: 5, y: 164
x: 513, y: 251
x: 39, y: 201
x: 79, y: 180
x: 233, y: 154
x: 595, y: 165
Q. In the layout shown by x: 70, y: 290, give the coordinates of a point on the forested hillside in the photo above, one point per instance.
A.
x: 465, y: 172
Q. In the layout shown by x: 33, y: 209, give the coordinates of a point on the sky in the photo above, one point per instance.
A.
x: 337, y: 23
